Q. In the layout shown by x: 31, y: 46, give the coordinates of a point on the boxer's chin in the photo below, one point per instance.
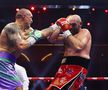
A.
x: 27, y: 26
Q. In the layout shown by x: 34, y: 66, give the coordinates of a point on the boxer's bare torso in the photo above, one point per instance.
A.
x: 85, y: 51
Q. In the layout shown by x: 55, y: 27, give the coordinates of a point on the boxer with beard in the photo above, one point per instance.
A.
x: 76, y: 59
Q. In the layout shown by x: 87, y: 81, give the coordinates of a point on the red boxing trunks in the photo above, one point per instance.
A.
x: 71, y: 74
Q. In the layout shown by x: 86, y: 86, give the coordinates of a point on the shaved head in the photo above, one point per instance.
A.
x: 74, y: 19
x: 24, y: 17
x: 22, y: 13
x: 76, y: 22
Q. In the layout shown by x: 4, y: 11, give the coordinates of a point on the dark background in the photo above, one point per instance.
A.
x: 43, y: 19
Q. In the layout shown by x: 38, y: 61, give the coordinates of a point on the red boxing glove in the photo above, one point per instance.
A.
x: 63, y: 23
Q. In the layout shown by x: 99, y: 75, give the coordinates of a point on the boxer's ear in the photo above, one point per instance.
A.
x: 80, y: 23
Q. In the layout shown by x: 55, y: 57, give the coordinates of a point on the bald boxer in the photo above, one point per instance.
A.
x: 16, y: 37
x: 77, y: 43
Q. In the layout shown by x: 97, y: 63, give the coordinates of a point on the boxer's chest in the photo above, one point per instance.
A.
x: 25, y: 33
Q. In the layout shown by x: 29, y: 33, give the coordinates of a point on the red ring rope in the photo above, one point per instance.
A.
x: 51, y: 78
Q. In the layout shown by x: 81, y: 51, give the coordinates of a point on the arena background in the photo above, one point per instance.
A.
x: 44, y: 56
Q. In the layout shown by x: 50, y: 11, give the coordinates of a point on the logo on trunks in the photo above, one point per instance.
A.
x: 63, y: 80
x: 69, y: 72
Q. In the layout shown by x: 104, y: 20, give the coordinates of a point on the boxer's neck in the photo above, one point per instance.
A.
x: 21, y: 25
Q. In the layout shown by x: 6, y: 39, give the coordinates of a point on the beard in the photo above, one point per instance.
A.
x: 74, y: 30
x: 27, y: 26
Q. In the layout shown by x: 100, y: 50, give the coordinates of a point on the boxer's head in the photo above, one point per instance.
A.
x: 76, y: 22
x: 25, y: 16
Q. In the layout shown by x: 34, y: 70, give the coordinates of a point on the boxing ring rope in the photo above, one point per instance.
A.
x: 97, y: 78
x: 51, y: 78
x: 41, y: 78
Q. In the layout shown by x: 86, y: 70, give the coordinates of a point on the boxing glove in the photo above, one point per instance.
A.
x: 65, y: 26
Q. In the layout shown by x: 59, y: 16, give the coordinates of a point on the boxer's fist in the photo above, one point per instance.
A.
x: 63, y: 23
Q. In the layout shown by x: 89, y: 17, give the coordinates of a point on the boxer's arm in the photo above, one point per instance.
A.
x: 80, y: 40
x: 50, y: 34
x: 46, y: 32
x: 49, y: 31
x: 56, y: 37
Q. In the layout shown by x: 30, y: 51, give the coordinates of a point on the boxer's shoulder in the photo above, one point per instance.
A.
x: 10, y: 25
x: 85, y: 29
x: 11, y: 28
x: 85, y: 32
